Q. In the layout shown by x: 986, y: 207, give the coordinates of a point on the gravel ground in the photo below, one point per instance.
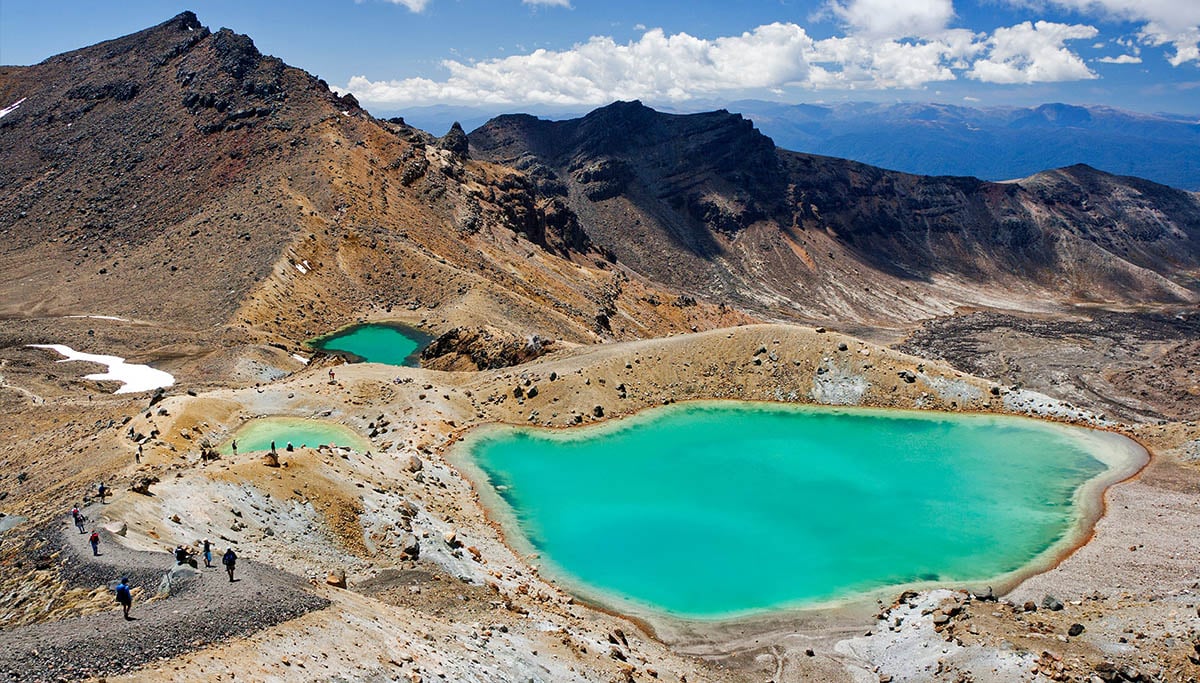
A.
x: 206, y: 609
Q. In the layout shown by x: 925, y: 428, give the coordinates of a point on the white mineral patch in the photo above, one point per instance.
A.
x: 913, y: 651
x: 134, y: 378
x: 11, y: 108
x: 100, y: 317
x: 839, y: 385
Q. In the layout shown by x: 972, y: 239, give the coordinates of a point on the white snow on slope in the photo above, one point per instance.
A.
x: 12, y: 107
x: 134, y: 378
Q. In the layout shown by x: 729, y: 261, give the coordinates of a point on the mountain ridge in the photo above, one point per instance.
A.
x: 712, y: 182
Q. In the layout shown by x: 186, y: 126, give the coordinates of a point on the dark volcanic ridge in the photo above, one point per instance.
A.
x: 705, y: 201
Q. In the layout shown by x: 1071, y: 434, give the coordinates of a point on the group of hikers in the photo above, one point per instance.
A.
x: 183, y: 555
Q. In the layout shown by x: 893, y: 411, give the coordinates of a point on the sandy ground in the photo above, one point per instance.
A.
x: 469, y: 608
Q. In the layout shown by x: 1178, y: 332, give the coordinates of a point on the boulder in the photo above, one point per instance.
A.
x: 117, y: 528
x: 410, y: 547
x: 1051, y: 603
x: 143, y: 485
x: 1075, y: 630
x: 336, y: 578
x: 414, y: 464
x: 174, y: 580
x: 271, y: 459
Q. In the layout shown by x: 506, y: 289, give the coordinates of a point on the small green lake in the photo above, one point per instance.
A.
x: 387, y: 343
x: 257, y: 435
x: 716, y: 510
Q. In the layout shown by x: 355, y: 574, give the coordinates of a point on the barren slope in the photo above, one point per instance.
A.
x: 707, y: 202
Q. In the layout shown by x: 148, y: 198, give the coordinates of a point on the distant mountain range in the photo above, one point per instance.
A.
x: 998, y: 143
x: 995, y: 143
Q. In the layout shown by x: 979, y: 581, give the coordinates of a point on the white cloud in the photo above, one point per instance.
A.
x: 548, y: 3
x: 413, y: 5
x: 657, y: 67
x: 1033, y: 53
x: 1121, y: 59
x: 777, y: 58
x: 1164, y: 22
x: 892, y: 19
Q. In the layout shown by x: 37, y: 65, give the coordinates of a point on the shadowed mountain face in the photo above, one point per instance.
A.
x: 707, y: 202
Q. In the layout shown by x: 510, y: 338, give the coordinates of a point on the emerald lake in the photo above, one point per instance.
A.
x: 717, y: 509
x: 387, y: 343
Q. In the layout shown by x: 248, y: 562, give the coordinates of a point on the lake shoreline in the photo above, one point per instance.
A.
x: 1124, y: 458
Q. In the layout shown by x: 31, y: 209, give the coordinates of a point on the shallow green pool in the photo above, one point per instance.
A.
x: 257, y: 435
x: 719, y: 509
x: 387, y: 343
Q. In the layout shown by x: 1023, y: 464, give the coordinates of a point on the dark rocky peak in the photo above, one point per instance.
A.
x: 237, y: 53
x: 455, y: 141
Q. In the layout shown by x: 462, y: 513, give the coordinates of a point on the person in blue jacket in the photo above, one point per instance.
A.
x: 124, y: 596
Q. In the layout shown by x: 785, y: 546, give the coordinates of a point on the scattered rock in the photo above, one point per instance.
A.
x: 1075, y: 630
x: 414, y: 464
x: 336, y: 578
x: 1051, y: 603
x: 410, y: 547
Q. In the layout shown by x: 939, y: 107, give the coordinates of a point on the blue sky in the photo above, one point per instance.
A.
x: 511, y: 55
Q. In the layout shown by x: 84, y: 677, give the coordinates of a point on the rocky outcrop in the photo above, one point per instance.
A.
x: 482, y: 348
x: 455, y: 141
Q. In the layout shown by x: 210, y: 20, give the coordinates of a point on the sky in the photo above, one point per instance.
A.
x: 531, y: 55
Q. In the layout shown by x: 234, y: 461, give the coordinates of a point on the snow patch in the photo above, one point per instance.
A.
x: 12, y: 107
x: 133, y: 377
x: 303, y: 267
x: 300, y: 358
x: 99, y: 317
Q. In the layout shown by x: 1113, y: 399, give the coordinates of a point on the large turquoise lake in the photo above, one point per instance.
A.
x: 387, y: 343
x: 716, y: 510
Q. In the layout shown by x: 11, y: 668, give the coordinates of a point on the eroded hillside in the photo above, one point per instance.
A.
x: 706, y: 202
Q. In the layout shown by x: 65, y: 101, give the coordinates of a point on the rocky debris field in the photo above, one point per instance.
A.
x: 1132, y: 366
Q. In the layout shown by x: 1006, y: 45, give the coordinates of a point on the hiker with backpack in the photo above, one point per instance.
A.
x: 207, y: 554
x: 124, y: 597
x: 229, y: 560
x: 79, y: 519
x: 94, y: 539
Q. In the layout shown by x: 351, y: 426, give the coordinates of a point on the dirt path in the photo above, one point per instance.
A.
x: 205, y: 609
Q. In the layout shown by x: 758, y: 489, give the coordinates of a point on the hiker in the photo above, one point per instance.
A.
x: 94, y: 539
x: 289, y: 447
x: 79, y: 520
x: 124, y: 596
x: 234, y: 446
x: 207, y: 554
x: 137, y: 457
x: 181, y: 555
x: 331, y: 379
x: 229, y: 560
x: 102, y: 491
x: 272, y: 446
